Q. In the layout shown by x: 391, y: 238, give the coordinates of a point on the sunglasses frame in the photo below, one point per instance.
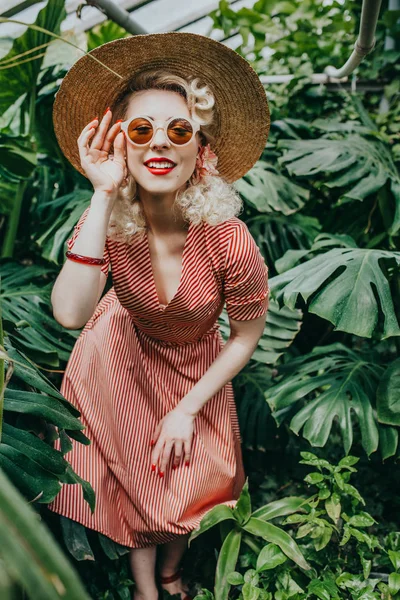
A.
x: 161, y: 124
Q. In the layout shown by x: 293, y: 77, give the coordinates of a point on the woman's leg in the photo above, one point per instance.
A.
x: 170, y: 556
x: 143, y: 562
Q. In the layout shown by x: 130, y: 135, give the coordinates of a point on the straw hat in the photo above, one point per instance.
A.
x: 242, y: 119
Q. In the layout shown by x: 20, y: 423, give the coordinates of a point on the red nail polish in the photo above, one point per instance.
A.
x: 161, y: 474
x: 187, y: 463
x: 152, y: 443
x: 173, y: 467
x: 153, y: 467
x: 106, y: 111
x: 96, y: 119
x: 119, y: 121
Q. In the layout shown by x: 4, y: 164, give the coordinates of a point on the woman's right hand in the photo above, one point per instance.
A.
x: 105, y: 171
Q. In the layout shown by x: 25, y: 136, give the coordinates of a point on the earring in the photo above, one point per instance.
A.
x: 206, y: 163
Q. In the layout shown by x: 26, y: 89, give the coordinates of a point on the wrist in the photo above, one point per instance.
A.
x: 103, y: 202
x: 188, y: 411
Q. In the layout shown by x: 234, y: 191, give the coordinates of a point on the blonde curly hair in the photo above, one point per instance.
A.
x: 212, y: 200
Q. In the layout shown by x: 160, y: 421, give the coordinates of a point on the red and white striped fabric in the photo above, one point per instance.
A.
x: 134, y: 361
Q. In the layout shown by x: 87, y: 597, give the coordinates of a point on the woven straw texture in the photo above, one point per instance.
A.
x: 242, y: 118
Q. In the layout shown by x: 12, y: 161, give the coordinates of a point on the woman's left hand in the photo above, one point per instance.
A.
x: 173, y: 433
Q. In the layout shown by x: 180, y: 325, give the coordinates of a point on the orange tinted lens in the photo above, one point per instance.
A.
x: 180, y: 131
x: 140, y: 131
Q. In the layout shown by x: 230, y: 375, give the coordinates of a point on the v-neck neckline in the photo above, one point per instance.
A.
x: 160, y: 306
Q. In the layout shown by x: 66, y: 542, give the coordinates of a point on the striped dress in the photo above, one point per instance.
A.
x: 133, y: 362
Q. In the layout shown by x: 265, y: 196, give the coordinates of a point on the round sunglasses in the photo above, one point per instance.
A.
x: 141, y: 129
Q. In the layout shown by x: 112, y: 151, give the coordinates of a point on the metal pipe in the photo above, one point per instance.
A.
x: 365, y: 41
x: 118, y: 15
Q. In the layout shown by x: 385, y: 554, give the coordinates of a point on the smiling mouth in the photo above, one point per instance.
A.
x: 160, y: 165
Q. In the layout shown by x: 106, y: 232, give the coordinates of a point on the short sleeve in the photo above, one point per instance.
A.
x: 71, y: 241
x: 246, y: 288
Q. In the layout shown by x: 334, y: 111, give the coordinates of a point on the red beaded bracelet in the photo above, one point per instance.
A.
x: 84, y: 259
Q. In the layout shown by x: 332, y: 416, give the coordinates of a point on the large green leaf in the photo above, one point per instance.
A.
x: 27, y: 318
x: 347, y: 286
x: 227, y: 559
x: 30, y: 553
x: 388, y: 395
x: 276, y: 234
x: 17, y: 157
x: 42, y: 406
x: 280, y: 508
x: 277, y: 536
x: 337, y: 384
x: 31, y: 479
x: 21, y: 79
x: 215, y: 515
x: 60, y: 215
x: 358, y: 165
x: 281, y: 327
x: 267, y: 190
x: 257, y: 427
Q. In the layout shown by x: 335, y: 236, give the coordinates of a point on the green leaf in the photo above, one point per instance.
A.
x: 277, y: 536
x: 281, y: 328
x: 333, y: 507
x: 42, y: 406
x: 280, y: 508
x: 216, y: 515
x: 323, y: 540
x: 235, y: 578
x: 75, y: 538
x: 268, y: 190
x: 30, y: 552
x: 388, y: 395
x: 250, y: 592
x: 226, y: 563
x: 270, y: 557
x: 313, y: 478
x: 362, y: 519
x: 335, y: 283
x: 336, y: 382
x: 22, y: 78
x: 242, y: 509
x: 348, y: 461
x: 394, y: 583
x: 394, y: 556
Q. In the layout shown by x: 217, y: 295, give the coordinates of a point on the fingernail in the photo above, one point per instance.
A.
x: 96, y: 119
x: 152, y: 443
x: 187, y: 464
x: 161, y: 474
x: 173, y: 467
x: 153, y: 467
x: 106, y: 111
x: 119, y: 121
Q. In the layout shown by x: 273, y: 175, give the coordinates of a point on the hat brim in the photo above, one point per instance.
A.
x: 242, y: 119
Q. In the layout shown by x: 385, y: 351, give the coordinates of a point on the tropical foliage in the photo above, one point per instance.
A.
x: 323, y: 204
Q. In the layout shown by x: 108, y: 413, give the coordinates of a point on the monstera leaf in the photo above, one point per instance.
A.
x: 281, y: 328
x: 388, y: 395
x: 29, y: 553
x: 60, y: 217
x: 267, y: 190
x: 335, y: 383
x: 27, y: 317
x: 354, y: 163
x: 275, y: 234
x: 33, y: 405
x: 19, y: 79
x: 347, y: 286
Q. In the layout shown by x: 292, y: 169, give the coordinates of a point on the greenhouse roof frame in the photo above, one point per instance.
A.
x: 197, y: 20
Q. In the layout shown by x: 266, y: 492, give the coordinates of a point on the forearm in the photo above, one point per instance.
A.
x: 230, y: 361
x: 76, y: 289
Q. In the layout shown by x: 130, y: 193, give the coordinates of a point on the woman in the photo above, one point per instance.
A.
x: 149, y: 372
